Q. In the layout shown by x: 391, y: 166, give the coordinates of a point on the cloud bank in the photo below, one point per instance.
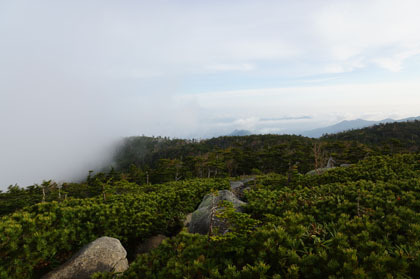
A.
x: 77, y: 76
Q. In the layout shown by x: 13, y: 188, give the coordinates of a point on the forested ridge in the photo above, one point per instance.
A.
x: 388, y: 137
x: 165, y: 159
x: 360, y: 218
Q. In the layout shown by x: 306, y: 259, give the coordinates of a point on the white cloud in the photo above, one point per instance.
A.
x: 75, y: 75
x: 394, y: 63
x: 176, y: 38
x: 320, y: 102
x: 380, y: 32
x: 231, y: 67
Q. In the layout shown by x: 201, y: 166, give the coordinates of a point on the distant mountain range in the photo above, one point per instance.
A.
x: 350, y: 125
x: 336, y: 128
x: 240, y: 133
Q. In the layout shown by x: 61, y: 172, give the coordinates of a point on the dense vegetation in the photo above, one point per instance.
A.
x: 37, y: 238
x: 17, y: 197
x: 144, y: 160
x: 229, y: 156
x: 358, y: 221
x: 388, y: 138
x: 163, y: 159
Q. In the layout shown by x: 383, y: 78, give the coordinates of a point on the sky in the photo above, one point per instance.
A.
x: 77, y: 76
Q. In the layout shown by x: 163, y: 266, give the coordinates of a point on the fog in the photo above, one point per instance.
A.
x: 77, y: 76
x: 62, y: 128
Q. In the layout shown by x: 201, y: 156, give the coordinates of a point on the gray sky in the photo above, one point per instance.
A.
x: 75, y: 76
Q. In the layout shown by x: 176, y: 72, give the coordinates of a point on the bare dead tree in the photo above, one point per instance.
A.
x: 178, y: 166
x: 212, y: 214
x: 319, y: 156
x: 45, y: 185
x: 331, y: 162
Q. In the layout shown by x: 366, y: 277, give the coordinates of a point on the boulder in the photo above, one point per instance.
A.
x: 319, y: 171
x: 150, y: 244
x: 329, y: 167
x: 201, y: 218
x: 238, y: 187
x: 187, y: 220
x: 102, y: 255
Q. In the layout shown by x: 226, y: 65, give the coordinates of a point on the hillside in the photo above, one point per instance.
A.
x: 143, y: 160
x: 355, y: 221
x: 388, y: 137
x: 211, y: 156
x: 342, y: 126
x: 167, y: 159
x: 359, y: 222
x: 347, y: 125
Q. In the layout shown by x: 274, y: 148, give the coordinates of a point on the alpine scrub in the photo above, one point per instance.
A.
x: 42, y: 236
x: 357, y: 222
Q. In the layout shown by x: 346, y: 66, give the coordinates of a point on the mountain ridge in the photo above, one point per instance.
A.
x: 345, y: 125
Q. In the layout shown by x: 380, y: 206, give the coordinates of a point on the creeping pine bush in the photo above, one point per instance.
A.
x: 42, y: 236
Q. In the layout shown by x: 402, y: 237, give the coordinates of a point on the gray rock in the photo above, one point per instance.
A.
x: 201, y: 218
x: 187, y: 220
x: 102, y: 255
x: 150, y: 244
x: 236, y: 184
x: 238, y: 187
x: 329, y: 167
x: 319, y: 171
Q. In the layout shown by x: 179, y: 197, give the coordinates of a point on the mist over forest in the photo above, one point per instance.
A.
x: 209, y: 139
x: 77, y: 77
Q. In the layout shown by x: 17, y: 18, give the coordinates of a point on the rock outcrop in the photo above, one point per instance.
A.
x: 102, y: 255
x: 187, y: 220
x: 330, y: 166
x: 239, y: 187
x: 318, y: 171
x: 201, y: 219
